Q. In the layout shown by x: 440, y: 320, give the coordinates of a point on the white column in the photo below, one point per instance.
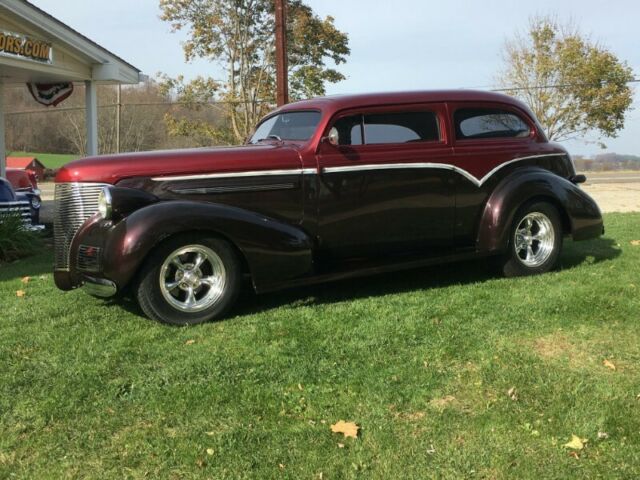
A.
x: 3, y: 152
x: 91, y: 106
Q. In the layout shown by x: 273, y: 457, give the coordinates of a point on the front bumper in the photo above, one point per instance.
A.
x: 99, y: 287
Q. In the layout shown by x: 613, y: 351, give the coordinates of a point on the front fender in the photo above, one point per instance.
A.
x: 580, y: 212
x: 274, y: 251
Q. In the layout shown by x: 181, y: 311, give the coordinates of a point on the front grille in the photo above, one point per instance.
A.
x: 19, y: 208
x: 74, y: 203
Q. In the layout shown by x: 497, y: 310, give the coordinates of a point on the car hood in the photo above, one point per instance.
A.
x: 113, y: 168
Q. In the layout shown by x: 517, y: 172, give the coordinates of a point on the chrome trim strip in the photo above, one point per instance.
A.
x: 443, y: 166
x: 354, y: 168
x: 233, y: 188
x: 255, y: 173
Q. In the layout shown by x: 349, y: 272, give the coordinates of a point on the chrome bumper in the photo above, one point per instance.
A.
x: 99, y: 287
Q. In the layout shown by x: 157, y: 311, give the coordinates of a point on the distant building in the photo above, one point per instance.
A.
x: 27, y: 163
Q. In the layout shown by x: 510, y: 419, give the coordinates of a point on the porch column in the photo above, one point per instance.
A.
x: 91, y: 115
x: 3, y: 152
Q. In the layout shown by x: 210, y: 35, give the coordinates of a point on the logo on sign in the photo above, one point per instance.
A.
x: 22, y: 46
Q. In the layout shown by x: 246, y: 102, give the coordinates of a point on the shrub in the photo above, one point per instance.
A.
x: 16, y: 240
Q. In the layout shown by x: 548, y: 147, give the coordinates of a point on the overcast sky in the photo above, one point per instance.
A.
x: 395, y: 45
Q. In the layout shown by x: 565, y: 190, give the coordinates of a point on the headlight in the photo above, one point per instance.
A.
x: 105, y: 203
x: 35, y: 202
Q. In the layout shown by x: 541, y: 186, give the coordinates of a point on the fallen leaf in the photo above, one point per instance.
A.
x: 281, y: 465
x: 574, y: 455
x: 576, y: 443
x: 431, y: 450
x: 341, y: 445
x: 20, y: 293
x: 608, y: 364
x: 300, y: 387
x: 25, y: 280
x: 603, y: 435
x: 513, y: 394
x: 211, y: 434
x: 190, y: 342
x: 635, y: 243
x: 201, y: 463
x: 348, y: 429
x: 209, y: 451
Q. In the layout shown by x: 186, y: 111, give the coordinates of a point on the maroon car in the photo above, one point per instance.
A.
x: 325, y: 189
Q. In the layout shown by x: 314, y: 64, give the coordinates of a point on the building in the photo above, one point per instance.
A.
x: 37, y: 48
x: 27, y: 163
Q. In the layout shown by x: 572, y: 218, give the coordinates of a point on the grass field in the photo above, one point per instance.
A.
x: 449, y: 372
x: 49, y: 160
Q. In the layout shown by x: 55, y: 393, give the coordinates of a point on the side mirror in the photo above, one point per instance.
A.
x: 333, y: 138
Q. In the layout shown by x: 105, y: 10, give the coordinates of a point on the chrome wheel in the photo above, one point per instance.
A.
x: 192, y: 278
x: 534, y: 239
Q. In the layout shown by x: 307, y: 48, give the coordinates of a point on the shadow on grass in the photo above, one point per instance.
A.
x: 574, y: 254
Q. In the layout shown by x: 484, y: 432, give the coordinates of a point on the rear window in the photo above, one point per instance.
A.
x: 402, y: 127
x: 489, y: 123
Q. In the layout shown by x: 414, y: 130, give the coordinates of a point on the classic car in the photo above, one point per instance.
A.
x: 26, y: 182
x: 19, y: 204
x: 324, y: 189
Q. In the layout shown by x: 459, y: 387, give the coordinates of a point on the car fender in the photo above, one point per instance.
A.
x: 580, y: 214
x: 274, y: 251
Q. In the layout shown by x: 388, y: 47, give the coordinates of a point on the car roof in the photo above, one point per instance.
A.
x: 334, y: 103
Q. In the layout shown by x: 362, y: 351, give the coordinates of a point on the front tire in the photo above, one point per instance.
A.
x: 535, y: 241
x: 189, y: 279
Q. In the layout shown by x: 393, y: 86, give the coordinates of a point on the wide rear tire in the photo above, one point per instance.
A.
x: 535, y: 241
x: 189, y: 279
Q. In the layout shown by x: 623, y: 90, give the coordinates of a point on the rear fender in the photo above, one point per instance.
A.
x: 274, y: 251
x: 581, y: 215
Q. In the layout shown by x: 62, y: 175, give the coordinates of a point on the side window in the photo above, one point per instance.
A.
x: 488, y: 123
x: 401, y: 127
x: 349, y: 130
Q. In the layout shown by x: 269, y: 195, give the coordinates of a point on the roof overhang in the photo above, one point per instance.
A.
x: 102, y: 65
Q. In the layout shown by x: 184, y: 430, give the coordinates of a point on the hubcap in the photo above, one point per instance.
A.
x: 192, y: 278
x: 534, y: 239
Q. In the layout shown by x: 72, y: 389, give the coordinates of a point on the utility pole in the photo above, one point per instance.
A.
x: 282, y: 77
x: 118, y: 114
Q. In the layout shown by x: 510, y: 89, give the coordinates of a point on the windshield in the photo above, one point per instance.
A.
x: 287, y: 126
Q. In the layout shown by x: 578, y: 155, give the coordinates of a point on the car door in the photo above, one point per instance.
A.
x: 385, y: 187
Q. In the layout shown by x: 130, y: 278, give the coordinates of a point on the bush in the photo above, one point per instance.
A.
x: 15, y: 240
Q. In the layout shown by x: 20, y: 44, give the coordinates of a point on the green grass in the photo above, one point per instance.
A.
x: 49, y: 160
x: 422, y: 361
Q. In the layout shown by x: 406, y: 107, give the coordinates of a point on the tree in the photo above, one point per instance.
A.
x: 574, y: 87
x: 239, y: 35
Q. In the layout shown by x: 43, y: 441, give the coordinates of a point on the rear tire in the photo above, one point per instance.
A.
x: 189, y: 279
x: 535, y: 241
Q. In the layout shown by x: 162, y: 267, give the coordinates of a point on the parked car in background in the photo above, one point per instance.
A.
x: 26, y: 182
x: 325, y: 189
x: 19, y: 203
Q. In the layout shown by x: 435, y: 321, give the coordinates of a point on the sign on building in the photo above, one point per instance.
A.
x: 22, y: 46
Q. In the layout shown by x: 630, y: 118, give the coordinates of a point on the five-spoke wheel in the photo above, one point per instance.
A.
x: 188, y: 280
x: 536, y: 240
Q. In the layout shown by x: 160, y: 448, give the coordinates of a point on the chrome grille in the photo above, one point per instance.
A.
x: 19, y: 208
x: 74, y: 203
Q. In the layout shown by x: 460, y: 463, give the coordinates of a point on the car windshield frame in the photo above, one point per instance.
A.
x: 253, y: 140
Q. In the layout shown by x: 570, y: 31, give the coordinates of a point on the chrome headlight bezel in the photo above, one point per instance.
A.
x: 105, y: 203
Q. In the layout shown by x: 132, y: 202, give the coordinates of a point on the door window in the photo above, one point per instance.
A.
x: 402, y: 127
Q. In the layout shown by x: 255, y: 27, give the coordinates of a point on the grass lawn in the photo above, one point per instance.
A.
x: 49, y: 160
x: 422, y: 361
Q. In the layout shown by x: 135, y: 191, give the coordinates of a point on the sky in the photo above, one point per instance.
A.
x: 395, y: 45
